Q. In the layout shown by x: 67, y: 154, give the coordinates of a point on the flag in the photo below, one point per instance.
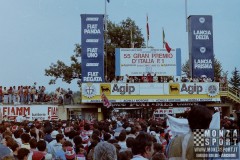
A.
x: 179, y: 126
x: 163, y: 36
x: 105, y: 101
x: 167, y: 47
x: 147, y: 29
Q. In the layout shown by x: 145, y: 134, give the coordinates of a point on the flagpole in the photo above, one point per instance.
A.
x: 186, y: 15
x: 147, y: 31
x: 163, y: 37
x: 105, y: 26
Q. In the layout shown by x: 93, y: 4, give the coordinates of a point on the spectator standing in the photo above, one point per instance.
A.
x: 155, y: 78
x: 176, y: 147
x: 70, y: 93
x: 114, y: 80
x: 105, y: 150
x: 5, y: 95
x: 1, y: 95
x: 142, y: 147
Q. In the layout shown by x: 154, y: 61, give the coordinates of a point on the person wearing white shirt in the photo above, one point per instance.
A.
x: 122, y: 141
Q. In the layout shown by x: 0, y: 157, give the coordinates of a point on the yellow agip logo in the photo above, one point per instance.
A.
x: 174, y: 88
x: 105, y: 88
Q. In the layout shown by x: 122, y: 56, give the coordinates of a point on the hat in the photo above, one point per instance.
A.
x: 37, y: 155
x: 5, y: 151
x: 54, y: 134
x: 70, y: 154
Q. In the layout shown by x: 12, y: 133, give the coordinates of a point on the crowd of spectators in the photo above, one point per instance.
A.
x: 149, y: 78
x: 119, y: 139
x: 34, y: 95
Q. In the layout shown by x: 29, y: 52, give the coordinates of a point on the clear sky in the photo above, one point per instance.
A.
x: 36, y: 33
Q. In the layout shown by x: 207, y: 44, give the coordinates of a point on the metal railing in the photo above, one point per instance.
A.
x: 231, y: 92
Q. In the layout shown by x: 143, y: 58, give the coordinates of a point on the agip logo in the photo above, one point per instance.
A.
x: 105, y: 88
x: 174, y: 88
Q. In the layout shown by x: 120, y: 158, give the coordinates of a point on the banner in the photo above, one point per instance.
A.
x: 179, y: 126
x: 32, y: 112
x: 151, y: 92
x: 200, y: 39
x: 92, y: 48
x: 139, y: 61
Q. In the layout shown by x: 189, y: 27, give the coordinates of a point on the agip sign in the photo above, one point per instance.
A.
x: 151, y: 92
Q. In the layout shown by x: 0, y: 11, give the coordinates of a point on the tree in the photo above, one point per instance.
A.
x: 217, y: 68
x: 67, y: 73
x: 121, y: 35
x: 235, y: 79
x: 118, y: 36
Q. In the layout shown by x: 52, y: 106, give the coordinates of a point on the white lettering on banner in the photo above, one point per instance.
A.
x: 32, y: 112
x: 92, y: 52
x: 123, y: 89
x: 92, y: 79
x: 164, y: 111
x: 92, y: 29
x: 92, y: 64
x: 135, y: 100
x: 162, y: 100
x: 92, y: 40
x: 92, y: 74
x: 92, y: 19
x: 202, y: 34
x: 203, y: 64
x: 191, y: 88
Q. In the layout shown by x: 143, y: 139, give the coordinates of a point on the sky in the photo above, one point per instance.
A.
x: 36, y: 33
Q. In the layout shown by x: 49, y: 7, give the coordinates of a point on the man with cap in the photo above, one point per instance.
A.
x: 53, y: 141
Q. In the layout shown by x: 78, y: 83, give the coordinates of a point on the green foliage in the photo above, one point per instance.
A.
x: 235, y: 79
x: 186, y: 68
x: 118, y: 36
x: 67, y: 73
x: 217, y: 68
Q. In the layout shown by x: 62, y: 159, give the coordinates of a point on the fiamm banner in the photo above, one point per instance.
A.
x: 32, y: 112
x: 200, y: 38
x: 139, y: 61
x: 92, y: 48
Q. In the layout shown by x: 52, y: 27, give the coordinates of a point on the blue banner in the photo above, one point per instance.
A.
x: 200, y: 38
x: 92, y: 48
